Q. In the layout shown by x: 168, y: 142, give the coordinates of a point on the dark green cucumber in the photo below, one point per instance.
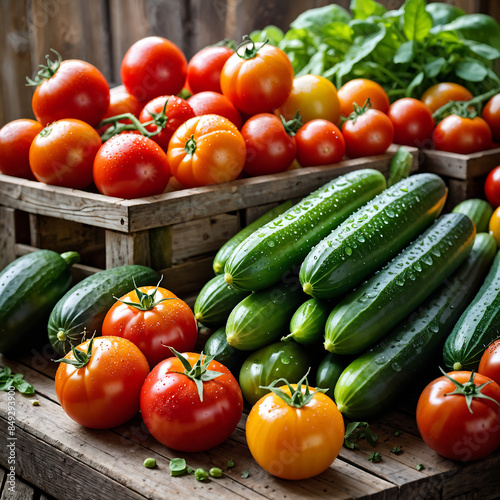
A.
x: 308, y: 322
x: 80, y: 312
x: 478, y: 326
x: 369, y: 312
x: 480, y: 211
x: 371, y: 236
x: 217, y: 346
x: 215, y: 302
x: 264, y: 316
x: 329, y: 371
x: 30, y: 287
x: 266, y: 255
x: 227, y: 249
x: 372, y: 381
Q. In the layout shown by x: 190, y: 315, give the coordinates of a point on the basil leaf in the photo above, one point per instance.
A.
x: 366, y: 8
x: 415, y: 83
x: 434, y: 67
x: 417, y: 22
x: 314, y: 19
x: 483, y: 50
x: 22, y: 386
x: 271, y: 33
x: 177, y: 466
x: 405, y: 53
x: 472, y: 71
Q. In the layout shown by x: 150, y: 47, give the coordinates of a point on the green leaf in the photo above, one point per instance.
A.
x: 16, y: 380
x: 272, y: 33
x: 396, y: 450
x: 366, y: 8
x: 419, y: 78
x: 405, y: 53
x: 230, y: 463
x: 358, y: 430
x: 314, y: 19
x: 245, y: 474
x: 442, y: 13
x: 23, y: 387
x: 6, y: 373
x: 371, y: 436
x: 417, y: 22
x: 471, y: 71
x: 434, y: 66
x: 420, y: 467
x: 177, y: 466
x: 483, y: 50
x: 375, y: 457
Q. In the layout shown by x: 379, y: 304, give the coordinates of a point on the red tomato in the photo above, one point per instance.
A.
x: 75, y: 89
x: 122, y: 101
x: 153, y: 66
x: 178, y: 417
x: 154, y: 323
x: 204, y: 68
x: 449, y: 428
x: 269, y: 147
x: 15, y: 141
x: 205, y: 150
x: 489, y: 365
x: 105, y: 392
x: 462, y: 135
x: 257, y: 80
x: 131, y: 166
x: 62, y: 154
x: 208, y: 103
x: 491, y: 114
x: 370, y: 133
x: 177, y: 112
x: 492, y: 187
x: 319, y: 142
x: 442, y: 93
x: 358, y: 91
x: 413, y: 122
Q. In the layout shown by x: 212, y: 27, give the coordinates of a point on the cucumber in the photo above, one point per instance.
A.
x: 264, y: 316
x: 376, y: 306
x: 80, y: 312
x: 30, y: 287
x: 371, y: 236
x: 227, y: 249
x: 480, y: 211
x: 329, y: 371
x: 266, y: 255
x: 216, y: 345
x: 308, y: 322
x: 372, y: 381
x: 215, y: 302
x: 478, y: 326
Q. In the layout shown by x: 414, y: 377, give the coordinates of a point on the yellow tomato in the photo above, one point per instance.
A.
x: 494, y: 225
x: 315, y: 97
x: 295, y: 443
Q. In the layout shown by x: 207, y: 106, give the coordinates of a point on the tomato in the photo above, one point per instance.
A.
x: 105, y: 391
x: 269, y: 147
x: 489, y: 365
x: 295, y: 443
x: 491, y: 114
x: 62, y: 154
x: 319, y: 142
x: 152, y: 67
x: 369, y: 133
x: 494, y: 225
x: 358, y: 91
x: 131, y: 166
x: 70, y: 89
x: 122, y: 101
x: 314, y: 97
x: 15, y: 141
x: 442, y: 93
x: 208, y: 103
x: 176, y: 113
x: 205, y: 150
x: 462, y: 135
x: 492, y: 187
x: 175, y: 412
x: 204, y: 68
x: 152, y: 323
x: 257, y: 80
x: 413, y: 122
x: 448, y: 426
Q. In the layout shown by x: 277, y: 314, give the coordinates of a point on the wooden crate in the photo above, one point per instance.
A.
x: 176, y: 233
x: 464, y: 174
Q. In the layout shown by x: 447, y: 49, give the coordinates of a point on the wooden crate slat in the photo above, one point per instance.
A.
x: 7, y: 236
x: 123, y: 249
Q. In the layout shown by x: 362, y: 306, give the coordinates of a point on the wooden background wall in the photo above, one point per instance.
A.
x: 100, y: 31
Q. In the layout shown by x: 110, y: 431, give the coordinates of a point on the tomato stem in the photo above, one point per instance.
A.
x: 146, y: 300
x: 81, y: 357
x: 117, y: 126
x: 190, y: 146
x: 46, y: 71
x: 251, y: 51
x: 292, y: 126
x: 359, y: 110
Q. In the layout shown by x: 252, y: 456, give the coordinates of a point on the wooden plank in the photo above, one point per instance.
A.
x: 7, y: 236
x: 460, y: 190
x: 123, y: 249
x: 19, y: 491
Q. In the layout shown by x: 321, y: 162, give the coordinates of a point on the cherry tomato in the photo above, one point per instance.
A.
x: 370, y: 133
x: 104, y: 392
x: 358, y: 91
x: 131, y: 166
x: 494, y: 226
x: 295, y: 443
x: 448, y: 426
x: 413, y: 122
x: 208, y: 103
x: 257, y: 79
x: 71, y: 89
x: 177, y: 112
x: 442, y: 93
x: 204, y: 68
x: 15, y: 141
x: 175, y: 413
x: 314, y: 97
x: 462, y: 135
x: 269, y: 147
x: 62, y: 154
x: 319, y: 142
x: 492, y: 187
x: 491, y: 114
x: 489, y: 365
x: 153, y: 323
x: 152, y: 67
x: 205, y: 150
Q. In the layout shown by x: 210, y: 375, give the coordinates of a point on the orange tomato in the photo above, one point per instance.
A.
x: 440, y: 94
x: 358, y: 91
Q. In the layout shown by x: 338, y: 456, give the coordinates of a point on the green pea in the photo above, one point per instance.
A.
x: 201, y: 474
x: 215, y: 472
x: 150, y: 463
